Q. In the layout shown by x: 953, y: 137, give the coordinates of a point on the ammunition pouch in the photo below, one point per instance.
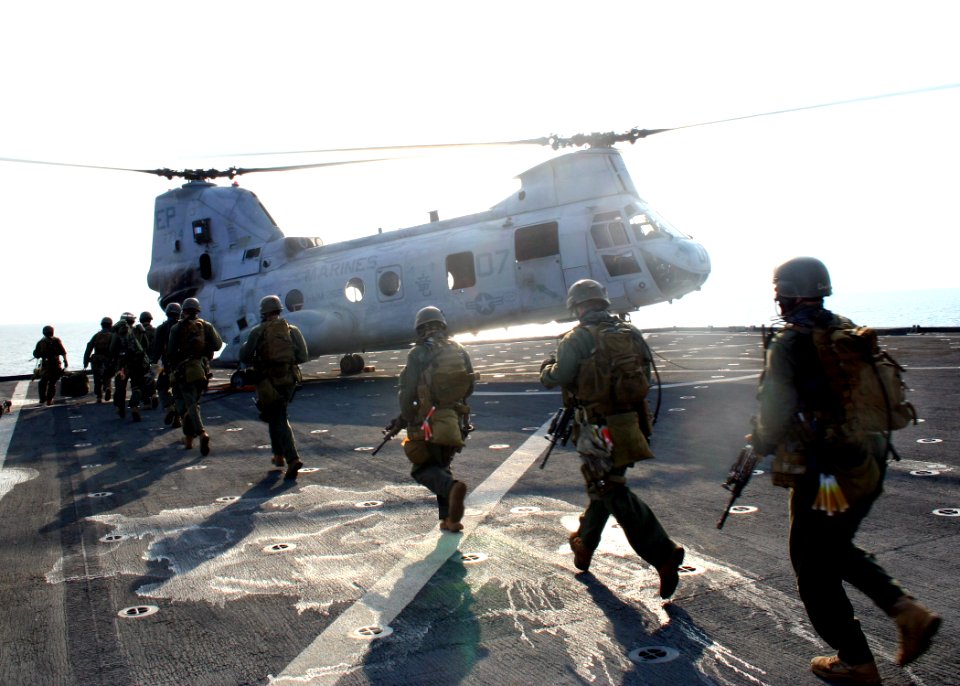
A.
x: 445, y: 428
x: 416, y: 450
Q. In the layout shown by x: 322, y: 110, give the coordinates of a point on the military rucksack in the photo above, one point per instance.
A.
x: 191, y: 339
x: 276, y: 344
x: 445, y: 380
x: 613, y: 378
x: 866, y: 379
x: 101, y: 343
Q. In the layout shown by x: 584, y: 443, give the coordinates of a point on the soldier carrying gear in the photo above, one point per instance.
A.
x: 603, y: 367
x: 834, y: 479
x: 434, y: 386
x: 190, y: 348
x: 97, y: 355
x: 274, y: 349
x: 118, y: 363
x: 49, y: 350
x: 150, y: 335
x: 159, y: 355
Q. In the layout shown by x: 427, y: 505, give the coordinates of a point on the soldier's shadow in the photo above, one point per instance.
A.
x: 631, y: 630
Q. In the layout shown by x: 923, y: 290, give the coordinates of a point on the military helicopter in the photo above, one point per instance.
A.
x: 574, y: 216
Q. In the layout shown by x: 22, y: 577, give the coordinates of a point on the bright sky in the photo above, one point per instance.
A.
x: 869, y: 188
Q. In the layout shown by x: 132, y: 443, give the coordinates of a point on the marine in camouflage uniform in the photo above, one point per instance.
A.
x: 606, y: 482
x: 49, y: 350
x: 150, y: 335
x: 274, y: 348
x: 431, y: 459
x: 190, y: 362
x: 97, y: 356
x: 118, y: 351
x: 796, y: 407
x: 129, y: 348
x: 158, y: 354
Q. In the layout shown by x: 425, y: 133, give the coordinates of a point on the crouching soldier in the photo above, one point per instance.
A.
x: 274, y: 348
x: 190, y: 348
x: 603, y: 365
x: 434, y: 387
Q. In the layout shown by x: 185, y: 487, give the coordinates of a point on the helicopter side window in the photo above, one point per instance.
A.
x: 541, y: 240
x: 609, y: 235
x: 621, y: 264
x: 294, y: 301
x: 201, y: 231
x: 460, y: 271
x: 354, y: 290
x: 389, y: 283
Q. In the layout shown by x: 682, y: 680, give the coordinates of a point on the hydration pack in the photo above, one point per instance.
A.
x: 613, y: 378
x: 866, y: 379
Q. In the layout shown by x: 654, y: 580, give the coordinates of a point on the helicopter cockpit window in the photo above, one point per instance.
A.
x: 541, y: 240
x: 460, y: 271
x: 642, y: 227
x: 609, y: 235
x: 621, y: 264
x: 354, y: 290
x: 646, y: 224
x: 294, y: 301
x: 201, y: 231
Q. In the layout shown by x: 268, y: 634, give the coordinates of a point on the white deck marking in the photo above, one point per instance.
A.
x: 9, y: 422
x: 335, y: 651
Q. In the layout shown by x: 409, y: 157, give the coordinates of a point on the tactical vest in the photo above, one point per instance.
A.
x: 613, y: 378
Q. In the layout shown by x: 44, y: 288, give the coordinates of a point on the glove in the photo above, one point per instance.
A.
x: 396, y: 425
x: 547, y: 362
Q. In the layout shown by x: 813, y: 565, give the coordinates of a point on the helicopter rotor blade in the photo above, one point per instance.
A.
x: 427, y: 146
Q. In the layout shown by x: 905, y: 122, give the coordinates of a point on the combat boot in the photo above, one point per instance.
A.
x: 121, y: 411
x: 106, y: 395
x: 452, y: 527
x: 292, y: 469
x: 456, y: 496
x: 835, y: 669
x: 582, y: 555
x: 176, y: 422
x: 916, y: 626
x: 669, y: 572
x: 204, y: 443
x: 100, y: 398
x: 188, y: 442
x: 135, y: 415
x: 169, y: 416
x: 278, y: 460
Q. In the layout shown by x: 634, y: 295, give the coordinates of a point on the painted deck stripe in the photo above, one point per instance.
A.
x: 334, y: 652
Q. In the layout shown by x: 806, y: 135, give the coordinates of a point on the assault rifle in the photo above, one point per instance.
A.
x: 389, y: 431
x: 559, y: 431
x: 739, y: 477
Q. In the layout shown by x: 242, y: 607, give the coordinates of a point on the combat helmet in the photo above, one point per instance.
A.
x: 48, y: 331
x: 802, y: 277
x: 146, y: 317
x: 128, y: 317
x: 191, y: 304
x: 586, y: 290
x: 429, y: 314
x: 270, y: 304
x: 106, y: 322
x: 172, y: 309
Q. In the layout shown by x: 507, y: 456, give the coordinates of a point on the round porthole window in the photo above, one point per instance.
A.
x: 354, y: 290
x: 294, y: 301
x: 389, y: 283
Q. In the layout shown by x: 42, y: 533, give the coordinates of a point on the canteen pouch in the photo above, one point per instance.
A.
x: 629, y: 443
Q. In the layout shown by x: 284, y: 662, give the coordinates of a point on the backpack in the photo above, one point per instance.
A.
x: 191, y: 339
x: 276, y: 345
x: 614, y: 377
x: 445, y: 380
x: 101, y: 343
x: 866, y: 379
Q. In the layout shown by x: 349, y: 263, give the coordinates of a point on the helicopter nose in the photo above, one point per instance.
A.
x: 677, y: 267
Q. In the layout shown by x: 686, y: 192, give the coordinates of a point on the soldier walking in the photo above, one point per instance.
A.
x: 274, y: 349
x: 190, y: 348
x: 150, y: 338
x: 97, y: 356
x: 800, y: 420
x: 118, y: 351
x: 49, y: 350
x: 612, y: 424
x: 159, y: 354
x: 434, y: 387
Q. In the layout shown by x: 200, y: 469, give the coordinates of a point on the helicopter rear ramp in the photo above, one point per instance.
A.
x: 128, y: 560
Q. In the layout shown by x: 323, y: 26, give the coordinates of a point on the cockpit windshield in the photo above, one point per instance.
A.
x: 645, y: 223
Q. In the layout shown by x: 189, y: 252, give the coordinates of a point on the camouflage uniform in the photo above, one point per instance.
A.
x: 128, y: 348
x: 431, y: 462
x: 150, y: 337
x: 97, y: 356
x: 609, y: 494
x: 159, y: 355
x: 49, y: 350
x: 187, y: 391
x: 277, y: 383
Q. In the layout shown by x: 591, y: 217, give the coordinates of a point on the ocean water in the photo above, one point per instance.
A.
x: 925, y: 308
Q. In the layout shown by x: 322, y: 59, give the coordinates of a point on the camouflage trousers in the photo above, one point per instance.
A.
x: 186, y: 398
x: 436, y: 475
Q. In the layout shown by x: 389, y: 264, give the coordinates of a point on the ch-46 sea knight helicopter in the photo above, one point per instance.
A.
x: 574, y: 216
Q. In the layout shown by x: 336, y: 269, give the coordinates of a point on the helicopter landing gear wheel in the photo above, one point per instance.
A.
x: 351, y: 364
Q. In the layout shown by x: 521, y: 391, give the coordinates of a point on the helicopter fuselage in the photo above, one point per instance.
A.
x: 575, y: 216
